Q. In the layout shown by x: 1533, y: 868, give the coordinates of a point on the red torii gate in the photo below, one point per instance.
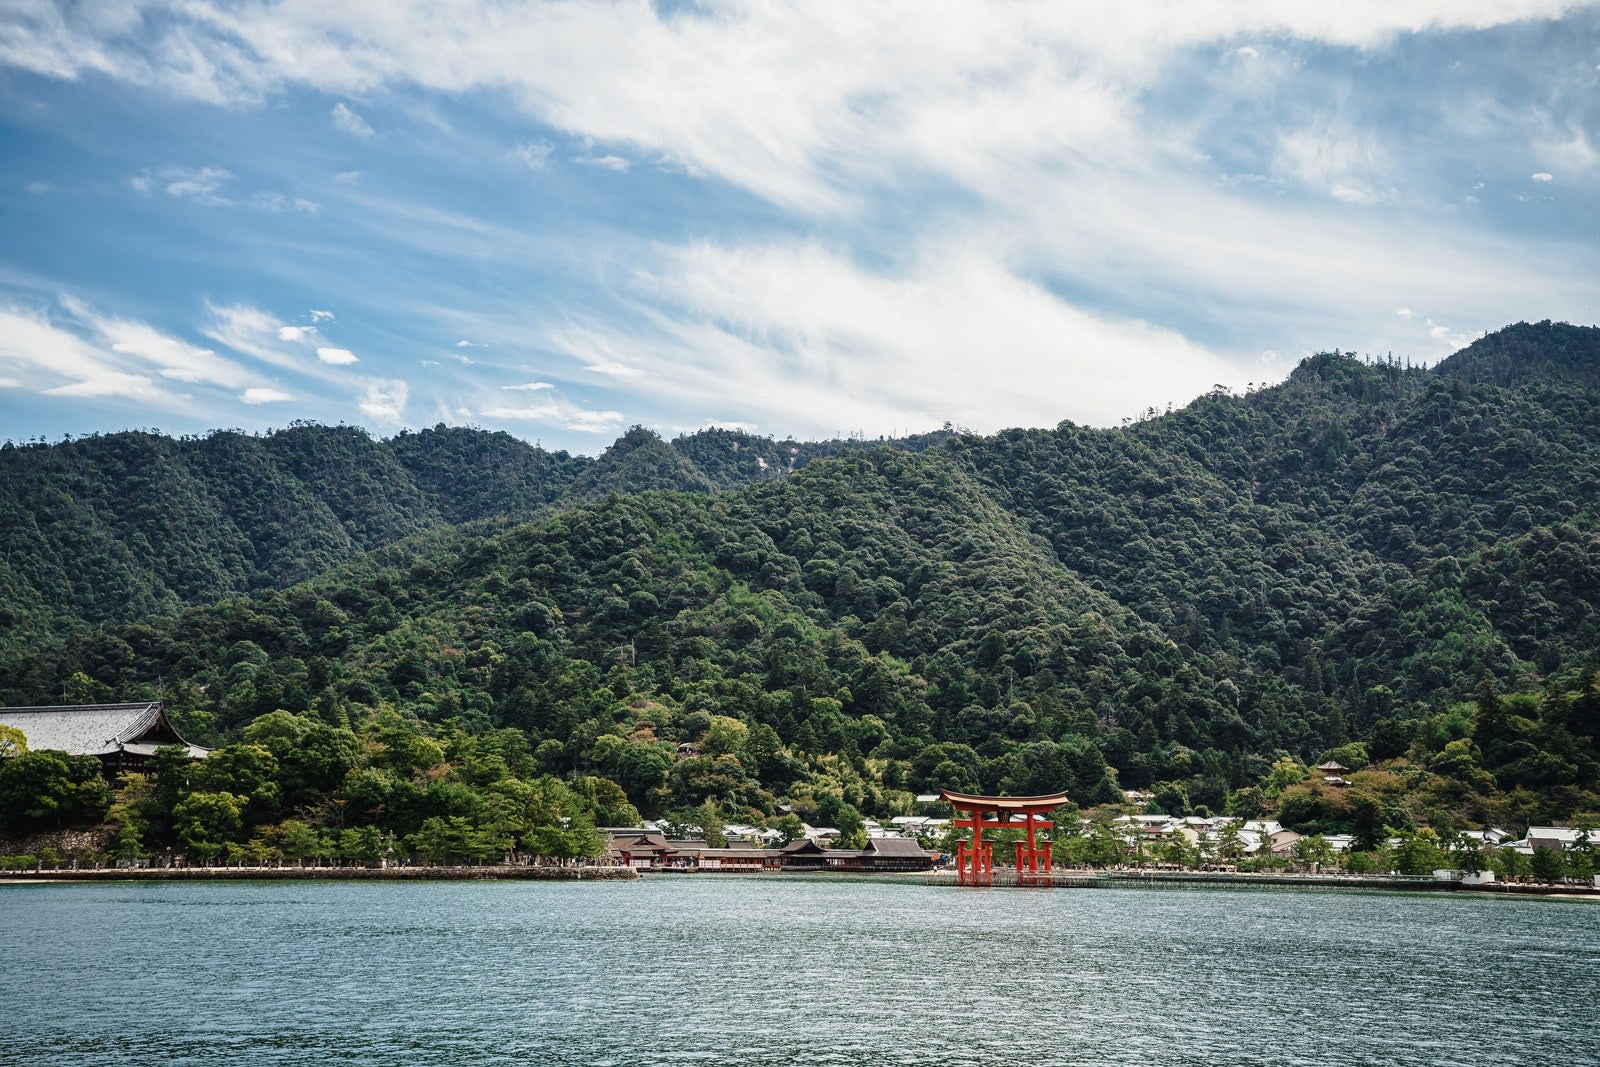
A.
x: 975, y: 861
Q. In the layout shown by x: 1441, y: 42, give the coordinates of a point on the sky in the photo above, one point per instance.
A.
x: 812, y: 219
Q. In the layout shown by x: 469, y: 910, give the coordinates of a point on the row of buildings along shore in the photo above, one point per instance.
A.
x: 648, y: 849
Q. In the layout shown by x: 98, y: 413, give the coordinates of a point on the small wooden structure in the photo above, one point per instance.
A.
x: 975, y: 861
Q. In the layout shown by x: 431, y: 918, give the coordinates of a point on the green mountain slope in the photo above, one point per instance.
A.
x: 1357, y: 554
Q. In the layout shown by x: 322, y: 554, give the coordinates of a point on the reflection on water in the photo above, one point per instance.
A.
x: 782, y: 970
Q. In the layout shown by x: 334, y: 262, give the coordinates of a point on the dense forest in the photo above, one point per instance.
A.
x: 1393, y: 565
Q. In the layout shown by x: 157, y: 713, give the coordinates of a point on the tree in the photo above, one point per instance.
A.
x: 295, y: 840
x: 438, y: 838
x: 206, y: 822
x: 1469, y: 857
x: 1366, y: 820
x: 128, y: 814
x: 1510, y: 864
x: 13, y: 742
x: 313, y: 757
x: 249, y: 771
x: 1230, y: 843
x: 1418, y: 853
x: 1105, y: 847
x: 1313, y: 851
x: 1582, y: 861
x: 1548, y: 864
x: 48, y: 789
x: 711, y: 824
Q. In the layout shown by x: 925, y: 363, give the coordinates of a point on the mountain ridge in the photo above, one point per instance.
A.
x: 1171, y: 604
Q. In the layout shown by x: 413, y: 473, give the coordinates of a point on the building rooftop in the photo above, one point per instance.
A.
x: 98, y: 729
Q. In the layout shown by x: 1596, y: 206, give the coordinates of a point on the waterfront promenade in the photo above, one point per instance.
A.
x: 1066, y: 878
x: 416, y: 873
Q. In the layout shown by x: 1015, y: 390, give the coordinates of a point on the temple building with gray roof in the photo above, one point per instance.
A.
x: 123, y: 736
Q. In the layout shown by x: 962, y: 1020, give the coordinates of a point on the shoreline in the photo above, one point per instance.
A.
x: 326, y: 874
x: 1061, y: 879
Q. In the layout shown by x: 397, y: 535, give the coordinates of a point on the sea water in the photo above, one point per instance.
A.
x: 787, y: 969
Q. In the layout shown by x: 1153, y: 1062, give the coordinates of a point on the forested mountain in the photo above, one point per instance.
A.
x: 118, y: 527
x: 1396, y: 564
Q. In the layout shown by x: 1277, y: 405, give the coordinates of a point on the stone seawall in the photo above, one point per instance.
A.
x: 347, y: 874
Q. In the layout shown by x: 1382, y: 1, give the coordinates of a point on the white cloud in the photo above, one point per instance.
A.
x: 1405, y: 313
x: 318, y: 315
x: 109, y: 384
x: 529, y: 386
x: 263, y: 395
x: 38, y: 188
x: 105, y: 356
x: 534, y: 154
x: 1041, y: 131
x: 196, y: 183
x: 613, y: 370
x: 606, y: 162
x: 796, y: 334
x: 384, y: 399
x: 295, y: 333
x: 206, y: 185
x: 172, y: 358
x: 251, y: 331
x: 348, y: 121
x: 1338, y: 161
x: 1445, y: 335
x: 791, y: 105
x: 1542, y: 176
x: 338, y: 357
x: 46, y: 352
x: 559, y: 413
x: 277, y: 204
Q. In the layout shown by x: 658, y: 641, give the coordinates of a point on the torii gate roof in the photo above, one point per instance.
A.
x: 1007, y: 805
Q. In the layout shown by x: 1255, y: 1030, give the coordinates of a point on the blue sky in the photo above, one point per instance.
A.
x: 809, y: 219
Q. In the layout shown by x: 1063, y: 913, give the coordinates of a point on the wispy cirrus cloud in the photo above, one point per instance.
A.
x: 384, y: 400
x: 797, y: 337
x: 715, y: 86
x: 206, y: 185
x: 560, y: 413
x: 846, y: 216
x: 346, y: 119
x: 74, y: 350
x: 535, y: 155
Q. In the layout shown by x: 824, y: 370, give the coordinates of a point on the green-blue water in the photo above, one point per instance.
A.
x: 786, y: 970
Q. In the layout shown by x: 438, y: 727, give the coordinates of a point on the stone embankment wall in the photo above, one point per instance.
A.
x: 64, y: 842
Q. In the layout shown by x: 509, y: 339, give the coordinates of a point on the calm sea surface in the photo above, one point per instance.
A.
x: 787, y: 970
